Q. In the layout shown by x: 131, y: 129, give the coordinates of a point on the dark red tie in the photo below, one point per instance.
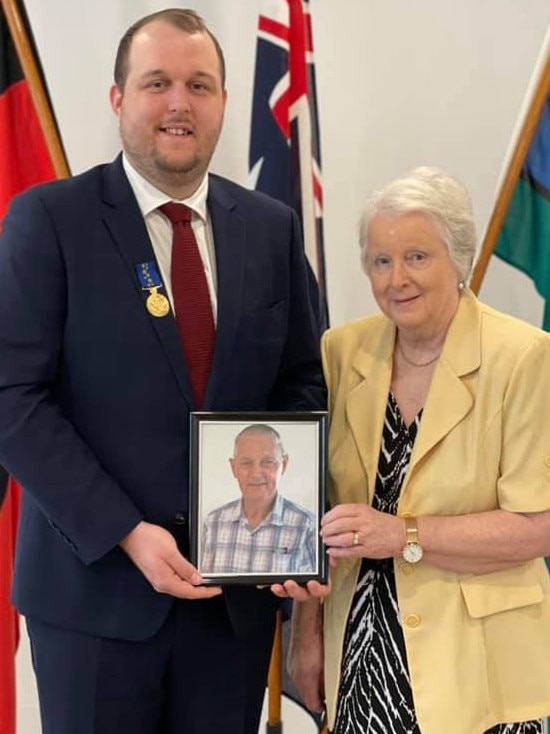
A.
x: 191, y: 299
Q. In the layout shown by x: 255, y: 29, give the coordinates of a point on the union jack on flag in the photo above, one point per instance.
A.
x: 285, y: 158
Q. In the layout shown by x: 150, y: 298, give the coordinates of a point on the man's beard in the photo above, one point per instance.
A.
x: 175, y: 167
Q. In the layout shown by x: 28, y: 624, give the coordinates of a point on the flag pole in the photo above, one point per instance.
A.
x: 514, y: 170
x: 40, y: 100
x: 275, y: 680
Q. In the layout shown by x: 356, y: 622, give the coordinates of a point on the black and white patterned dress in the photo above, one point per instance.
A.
x: 375, y: 694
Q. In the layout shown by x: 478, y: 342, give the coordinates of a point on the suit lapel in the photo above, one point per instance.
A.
x: 230, y: 241
x: 449, y: 399
x: 125, y: 223
x: 448, y: 403
x: 366, y: 402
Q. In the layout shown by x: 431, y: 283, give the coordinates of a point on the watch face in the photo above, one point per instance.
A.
x: 412, y: 552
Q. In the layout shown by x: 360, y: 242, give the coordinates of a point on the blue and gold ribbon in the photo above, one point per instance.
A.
x: 157, y: 304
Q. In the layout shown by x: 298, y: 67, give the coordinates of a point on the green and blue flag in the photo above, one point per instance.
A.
x: 524, y: 240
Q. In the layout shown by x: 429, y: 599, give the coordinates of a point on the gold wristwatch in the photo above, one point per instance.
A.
x: 412, y: 552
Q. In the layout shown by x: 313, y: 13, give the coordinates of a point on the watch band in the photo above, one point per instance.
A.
x: 411, y: 525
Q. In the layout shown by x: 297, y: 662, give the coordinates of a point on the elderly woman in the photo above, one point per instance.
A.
x: 439, y: 616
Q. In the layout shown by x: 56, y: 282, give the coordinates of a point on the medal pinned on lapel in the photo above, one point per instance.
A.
x: 157, y: 304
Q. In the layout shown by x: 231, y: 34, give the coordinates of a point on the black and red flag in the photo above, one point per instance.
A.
x: 28, y: 156
x: 24, y: 155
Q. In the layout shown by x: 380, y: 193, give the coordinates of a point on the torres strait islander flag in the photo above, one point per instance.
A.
x: 24, y: 161
x: 524, y: 240
x: 284, y: 158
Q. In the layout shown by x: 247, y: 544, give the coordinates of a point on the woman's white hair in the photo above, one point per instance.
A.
x: 434, y: 192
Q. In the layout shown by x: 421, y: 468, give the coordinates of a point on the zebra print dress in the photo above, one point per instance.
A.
x: 375, y: 694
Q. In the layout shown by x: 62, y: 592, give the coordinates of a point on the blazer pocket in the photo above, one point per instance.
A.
x: 490, y: 593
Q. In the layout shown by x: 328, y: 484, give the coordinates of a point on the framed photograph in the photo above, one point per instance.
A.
x: 258, y: 490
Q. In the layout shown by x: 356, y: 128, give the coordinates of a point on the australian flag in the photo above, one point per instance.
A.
x: 285, y: 158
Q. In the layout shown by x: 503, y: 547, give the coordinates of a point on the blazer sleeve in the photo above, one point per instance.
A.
x: 81, y: 502
x: 300, y: 384
x: 524, y: 481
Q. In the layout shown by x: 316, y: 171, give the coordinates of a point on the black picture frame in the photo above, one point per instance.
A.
x: 290, y: 548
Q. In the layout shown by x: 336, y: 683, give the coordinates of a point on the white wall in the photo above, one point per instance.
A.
x: 400, y: 83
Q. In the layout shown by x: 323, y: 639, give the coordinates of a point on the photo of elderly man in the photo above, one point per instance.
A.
x: 262, y: 531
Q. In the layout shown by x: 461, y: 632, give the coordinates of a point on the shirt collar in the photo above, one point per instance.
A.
x: 277, y: 511
x: 275, y: 517
x: 150, y: 198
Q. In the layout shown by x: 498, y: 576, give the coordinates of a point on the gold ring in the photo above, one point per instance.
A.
x: 356, y: 538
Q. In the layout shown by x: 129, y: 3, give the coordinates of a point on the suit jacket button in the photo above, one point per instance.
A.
x: 179, y: 518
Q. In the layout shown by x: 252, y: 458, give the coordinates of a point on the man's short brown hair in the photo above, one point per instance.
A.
x: 182, y: 18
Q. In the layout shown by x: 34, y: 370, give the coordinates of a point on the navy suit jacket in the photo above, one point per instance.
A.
x: 95, y: 395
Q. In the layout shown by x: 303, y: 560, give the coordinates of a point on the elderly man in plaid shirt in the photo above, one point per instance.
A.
x: 262, y: 532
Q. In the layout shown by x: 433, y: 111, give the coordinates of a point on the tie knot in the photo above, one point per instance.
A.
x: 176, y: 212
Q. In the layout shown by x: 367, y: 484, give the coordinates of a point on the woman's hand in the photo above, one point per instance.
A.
x: 357, y: 530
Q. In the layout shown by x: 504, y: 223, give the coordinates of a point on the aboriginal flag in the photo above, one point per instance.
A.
x: 24, y: 161
x: 24, y: 156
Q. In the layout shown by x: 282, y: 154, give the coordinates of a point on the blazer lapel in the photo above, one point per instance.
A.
x: 230, y: 241
x: 125, y: 223
x: 449, y: 399
x: 366, y: 402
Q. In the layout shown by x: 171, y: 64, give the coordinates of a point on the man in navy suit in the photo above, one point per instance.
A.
x: 95, y: 396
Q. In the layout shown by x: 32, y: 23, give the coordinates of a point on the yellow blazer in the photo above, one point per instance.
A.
x: 478, y: 646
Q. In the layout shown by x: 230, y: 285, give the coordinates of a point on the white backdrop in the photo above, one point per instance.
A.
x: 400, y: 83
x: 299, y: 483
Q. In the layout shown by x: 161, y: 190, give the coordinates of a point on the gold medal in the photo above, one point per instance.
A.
x: 157, y: 304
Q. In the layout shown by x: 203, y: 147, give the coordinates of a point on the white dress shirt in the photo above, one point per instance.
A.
x: 159, y: 228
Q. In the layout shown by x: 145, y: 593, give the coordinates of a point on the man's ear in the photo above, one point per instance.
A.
x: 232, y: 465
x: 115, y: 97
x: 285, y: 463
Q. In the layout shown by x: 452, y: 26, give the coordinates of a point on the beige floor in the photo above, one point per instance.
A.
x: 295, y: 721
x: 28, y: 719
